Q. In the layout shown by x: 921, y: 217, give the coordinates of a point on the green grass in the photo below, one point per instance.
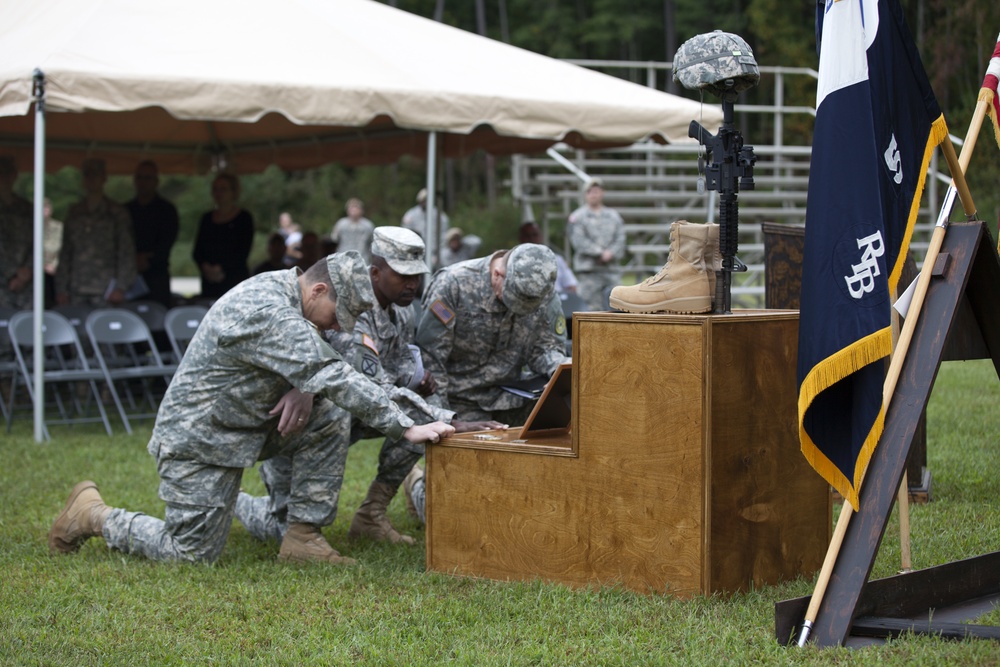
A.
x: 102, y: 607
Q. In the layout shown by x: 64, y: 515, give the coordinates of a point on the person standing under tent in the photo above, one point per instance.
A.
x: 97, y: 258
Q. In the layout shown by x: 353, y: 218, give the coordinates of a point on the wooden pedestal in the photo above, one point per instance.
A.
x: 681, y: 472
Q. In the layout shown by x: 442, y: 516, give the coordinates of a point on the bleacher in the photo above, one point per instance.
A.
x: 653, y: 185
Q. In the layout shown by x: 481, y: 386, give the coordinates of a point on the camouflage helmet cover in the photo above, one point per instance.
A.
x: 708, y: 61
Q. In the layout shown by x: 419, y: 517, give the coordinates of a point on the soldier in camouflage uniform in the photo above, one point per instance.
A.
x: 354, y: 231
x: 222, y: 413
x: 97, y: 258
x: 486, y: 319
x: 597, y: 234
x: 415, y: 219
x: 16, y: 233
x: 381, y: 349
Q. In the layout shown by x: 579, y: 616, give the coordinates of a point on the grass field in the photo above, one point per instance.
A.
x: 100, y: 607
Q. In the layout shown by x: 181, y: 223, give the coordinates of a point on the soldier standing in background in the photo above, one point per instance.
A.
x: 354, y: 231
x: 597, y: 235
x: 97, y: 258
x: 415, y: 219
x: 229, y: 406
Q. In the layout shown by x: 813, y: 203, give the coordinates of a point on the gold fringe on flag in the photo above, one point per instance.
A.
x: 828, y: 372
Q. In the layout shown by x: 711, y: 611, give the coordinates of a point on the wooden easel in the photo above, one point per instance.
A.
x: 966, y: 276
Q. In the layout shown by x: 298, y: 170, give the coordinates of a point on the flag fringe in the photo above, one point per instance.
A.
x: 938, y: 133
x: 828, y: 372
x: 987, y: 95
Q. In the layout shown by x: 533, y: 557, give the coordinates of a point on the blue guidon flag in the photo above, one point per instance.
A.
x: 877, y: 124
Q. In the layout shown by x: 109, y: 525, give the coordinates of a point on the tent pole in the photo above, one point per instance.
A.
x: 38, y: 261
x: 431, y: 235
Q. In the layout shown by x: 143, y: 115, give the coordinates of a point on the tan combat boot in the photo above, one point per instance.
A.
x: 304, y: 543
x: 681, y: 286
x: 416, y: 473
x: 370, y: 519
x: 82, y: 518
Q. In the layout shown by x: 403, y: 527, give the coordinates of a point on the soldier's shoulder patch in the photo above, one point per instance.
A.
x: 367, y: 341
x: 561, y: 325
x: 442, y: 312
x: 369, y: 365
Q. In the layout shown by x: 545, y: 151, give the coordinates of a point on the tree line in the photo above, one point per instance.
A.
x: 955, y: 39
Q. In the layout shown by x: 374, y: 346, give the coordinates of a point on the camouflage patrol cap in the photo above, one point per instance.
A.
x: 709, y: 61
x: 402, y: 250
x: 349, y: 275
x: 531, y: 277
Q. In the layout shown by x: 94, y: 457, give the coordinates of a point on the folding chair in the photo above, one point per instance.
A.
x: 126, y: 353
x: 77, y: 316
x: 151, y: 312
x: 66, y: 367
x: 181, y: 323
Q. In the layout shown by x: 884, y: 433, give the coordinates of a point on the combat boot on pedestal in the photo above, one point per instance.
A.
x: 681, y: 286
x: 82, y: 518
x: 304, y: 543
x: 370, y: 519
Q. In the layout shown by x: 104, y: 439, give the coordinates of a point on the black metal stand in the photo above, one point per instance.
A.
x: 730, y: 168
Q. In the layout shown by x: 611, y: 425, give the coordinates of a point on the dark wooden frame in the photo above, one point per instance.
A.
x: 968, y: 272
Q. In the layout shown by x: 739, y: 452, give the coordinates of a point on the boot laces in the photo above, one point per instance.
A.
x: 663, y: 269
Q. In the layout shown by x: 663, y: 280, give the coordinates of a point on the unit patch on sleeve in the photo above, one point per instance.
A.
x: 369, y: 364
x: 442, y: 312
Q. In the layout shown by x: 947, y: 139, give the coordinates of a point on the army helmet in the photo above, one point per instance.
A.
x: 719, y: 62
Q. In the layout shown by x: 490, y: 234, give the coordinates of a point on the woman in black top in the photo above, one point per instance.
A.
x: 225, y: 236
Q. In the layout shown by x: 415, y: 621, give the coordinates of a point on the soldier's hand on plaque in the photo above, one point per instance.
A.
x: 432, y: 432
x: 465, y: 427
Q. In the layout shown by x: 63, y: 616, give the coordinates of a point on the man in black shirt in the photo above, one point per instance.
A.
x: 154, y: 221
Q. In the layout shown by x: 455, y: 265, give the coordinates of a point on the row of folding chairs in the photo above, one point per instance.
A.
x: 86, y: 348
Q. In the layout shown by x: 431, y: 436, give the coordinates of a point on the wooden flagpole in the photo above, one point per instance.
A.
x: 957, y: 166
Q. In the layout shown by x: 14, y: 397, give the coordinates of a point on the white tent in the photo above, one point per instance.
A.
x: 296, y: 83
x: 195, y: 84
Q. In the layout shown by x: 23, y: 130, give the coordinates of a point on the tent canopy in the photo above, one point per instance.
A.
x: 297, y: 83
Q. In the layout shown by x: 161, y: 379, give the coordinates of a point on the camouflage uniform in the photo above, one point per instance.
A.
x: 473, y: 343
x: 415, y: 219
x: 379, y: 348
x: 382, y: 340
x: 350, y: 235
x: 591, y: 233
x: 97, y: 248
x: 16, y: 230
x: 253, y: 346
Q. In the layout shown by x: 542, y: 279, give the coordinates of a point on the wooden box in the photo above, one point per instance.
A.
x: 680, y: 473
